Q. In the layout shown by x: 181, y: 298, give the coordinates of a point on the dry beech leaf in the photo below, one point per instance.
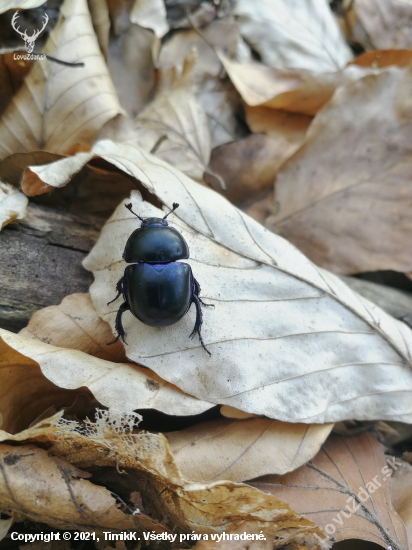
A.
x: 299, y: 92
x: 19, y: 4
x: 131, y: 65
x: 238, y: 449
x: 99, y: 12
x: 348, y: 474
x: 231, y: 412
x: 387, y: 22
x: 402, y: 499
x: 58, y: 106
x: 344, y: 197
x: 75, y: 324
x: 384, y: 58
x: 122, y: 386
x: 150, y: 14
x: 288, y: 340
x: 174, y: 124
x: 204, y: 508
x: 291, y: 34
x: 57, y: 494
x: 13, y: 204
x: 249, y: 166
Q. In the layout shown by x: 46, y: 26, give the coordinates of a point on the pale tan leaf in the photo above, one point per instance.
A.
x: 174, y: 124
x: 150, y: 14
x: 402, y: 499
x: 13, y: 204
x: 293, y: 34
x: 346, y: 489
x: 38, y: 372
x: 19, y: 4
x: 344, y: 198
x: 204, y: 508
x: 243, y: 449
x: 57, y: 494
x: 75, y: 324
x: 232, y: 412
x: 388, y: 23
x: 58, y: 106
x: 99, y: 12
x: 5, y: 525
x: 288, y: 340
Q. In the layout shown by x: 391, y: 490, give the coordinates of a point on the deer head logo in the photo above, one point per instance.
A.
x: 29, y: 40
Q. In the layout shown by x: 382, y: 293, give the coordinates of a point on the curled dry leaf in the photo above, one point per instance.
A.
x: 75, y: 324
x: 57, y: 494
x: 346, y: 489
x: 344, y: 198
x: 150, y: 14
x: 237, y: 449
x: 290, y: 34
x: 388, y: 23
x: 121, y: 386
x: 152, y: 471
x: 288, y: 340
x: 13, y: 204
x: 299, y: 92
x: 99, y: 12
x: 58, y: 106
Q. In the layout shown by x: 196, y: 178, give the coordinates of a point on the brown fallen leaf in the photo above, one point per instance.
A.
x: 249, y: 166
x: 204, y: 508
x: 12, y: 74
x: 79, y: 100
x: 387, y: 22
x: 237, y: 449
x: 344, y: 198
x: 346, y: 489
x: 58, y: 495
x: 402, y: 499
x: 384, y: 58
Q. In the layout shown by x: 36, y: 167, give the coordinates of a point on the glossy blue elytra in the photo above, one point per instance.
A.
x: 156, y: 288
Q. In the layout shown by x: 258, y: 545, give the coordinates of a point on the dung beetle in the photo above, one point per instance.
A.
x: 157, y: 288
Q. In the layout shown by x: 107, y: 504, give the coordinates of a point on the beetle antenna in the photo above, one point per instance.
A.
x: 175, y: 205
x: 129, y: 207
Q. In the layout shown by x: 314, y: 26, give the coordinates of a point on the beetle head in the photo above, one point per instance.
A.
x: 153, y: 222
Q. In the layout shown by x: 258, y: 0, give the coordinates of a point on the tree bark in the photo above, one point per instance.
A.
x: 41, y: 262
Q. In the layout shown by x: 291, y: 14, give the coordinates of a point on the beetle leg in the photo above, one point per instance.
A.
x: 119, y: 327
x: 197, y: 290
x: 119, y: 290
x: 198, y: 323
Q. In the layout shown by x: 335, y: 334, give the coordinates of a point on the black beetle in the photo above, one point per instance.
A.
x: 157, y: 289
